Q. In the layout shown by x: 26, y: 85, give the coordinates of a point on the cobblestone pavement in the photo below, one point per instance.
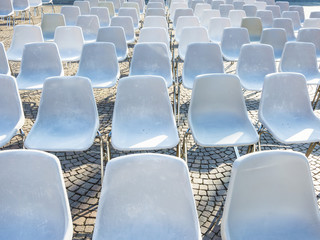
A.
x: 209, y: 167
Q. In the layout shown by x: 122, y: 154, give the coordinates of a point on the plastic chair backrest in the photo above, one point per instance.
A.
x: 130, y: 12
x: 200, y: 7
x: 275, y: 10
x: 207, y: 15
x: 141, y: 4
x: 314, y: 14
x: 117, y: 5
x: 287, y: 25
x: 49, y: 23
x: 294, y: 16
x: 277, y: 38
x: 250, y: 9
x: 225, y: 9
x: 103, y: 15
x: 71, y: 14
x: 284, y: 5
x: 236, y: 17
x: 310, y: 35
x: 84, y: 6
x: 266, y: 17
x: 20, y: 5
x: 175, y: 6
x: 261, y: 5
x: 155, y: 21
x: 90, y: 26
x: 238, y: 5
x: 4, y: 64
x: 154, y: 34
x: 155, y: 5
x: 254, y: 26
x: 132, y: 5
x: 155, y: 12
x: 311, y: 23
x: 6, y: 8
x: 216, y: 27
x: 109, y: 5
x: 127, y: 23
x: 185, y: 21
x: 93, y: 3
x: 300, y: 9
x: 179, y: 12
x: 216, y: 3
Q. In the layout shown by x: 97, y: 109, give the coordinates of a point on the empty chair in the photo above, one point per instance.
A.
x: 155, y: 12
x: 90, y: 26
x: 156, y: 21
x: 287, y: 25
x: 99, y: 63
x: 207, y: 15
x: 216, y: 27
x: 69, y: 40
x: 217, y: 119
x: 294, y: 16
x: 39, y: 61
x: 299, y: 9
x: 284, y: 5
x: 310, y: 35
x: 315, y: 14
x: 141, y: 5
x: 250, y: 10
x: 103, y: 15
x: 311, y: 23
x: 4, y: 64
x: 255, y: 62
x: 275, y: 10
x: 232, y: 41
x: 216, y: 3
x: 174, y: 6
x: 93, y: 3
x: 201, y: 58
x: 49, y: 23
x: 236, y: 17
x: 200, y: 7
x: 108, y: 5
x: 266, y: 17
x: 155, y: 5
x: 152, y: 59
x: 275, y: 210
x: 71, y: 14
x: 116, y: 5
x: 225, y: 9
x: 84, y: 6
x: 261, y: 5
x: 185, y: 21
x: 35, y: 4
x: 151, y: 124
x: 21, y: 6
x: 130, y: 12
x: 277, y: 38
x: 11, y: 117
x: 191, y: 35
x: 238, y: 5
x: 127, y: 23
x: 192, y: 4
x: 155, y: 34
x: 301, y: 57
x: 173, y: 208
x: 116, y: 36
x: 6, y: 9
x: 179, y: 13
x: 254, y: 26
x: 36, y: 197
x: 132, y: 5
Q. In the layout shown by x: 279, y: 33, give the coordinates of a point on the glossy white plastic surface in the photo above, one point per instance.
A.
x: 49, y: 23
x: 250, y: 10
x: 11, y: 112
x: 108, y: 5
x: 299, y: 9
x: 69, y: 40
x: 179, y: 13
x: 232, y: 40
x: 67, y: 118
x: 294, y: 16
x: 216, y: 27
x: 117, y: 5
x: 255, y: 62
x: 217, y: 119
x: 90, y: 26
x: 236, y: 16
x: 261, y: 5
x: 254, y: 26
x: 130, y: 12
x: 39, y: 61
x: 266, y: 17
x: 116, y: 36
x: 285, y: 109
x: 174, y: 6
x: 200, y: 7
x: 287, y: 25
x: 99, y: 63
x: 225, y: 9
x: 192, y: 4
x: 155, y: 21
x: 71, y: 14
x: 84, y: 6
x: 33, y: 197
x: 147, y: 196
x: 4, y: 64
x: 312, y: 23
x: 207, y: 15
x: 185, y: 21
x: 143, y: 116
x: 141, y: 4
x: 191, y: 35
x: 103, y: 15
x: 284, y: 5
x: 132, y: 5
x: 310, y: 35
x: 152, y: 59
x: 6, y: 8
x: 301, y: 57
x: 201, y: 58
x: 155, y: 5
x: 276, y: 12
x: 21, y: 5
x: 126, y: 23
x: 271, y: 196
x: 277, y: 38
x: 155, y: 12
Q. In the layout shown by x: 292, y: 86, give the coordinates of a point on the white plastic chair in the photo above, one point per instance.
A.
x: 35, y: 4
x: 276, y: 12
x: 225, y: 9
x: 254, y: 26
x: 99, y: 63
x: 6, y: 10
x: 110, y: 6
x: 49, y: 23
x: 155, y: 12
x: 155, y: 5
x: 301, y: 57
x: 11, y: 112
x: 152, y: 59
x: 287, y: 25
x: 71, y: 14
x: 127, y: 186
x: 250, y: 10
x: 174, y: 6
x: 130, y: 12
x: 116, y: 5
x: 127, y: 23
x: 315, y: 14
x: 179, y: 13
x: 4, y: 64
x: 200, y: 7
x: 294, y: 16
x: 90, y: 26
x: 310, y: 35
x: 191, y: 35
x: 216, y: 3
x: 207, y: 15
x: 103, y: 15
x: 84, y: 6
x: 132, y: 5
x: 156, y: 21
x: 93, y: 3
x: 216, y: 27
x: 261, y: 5
x: 238, y: 5
x: 116, y: 36
x: 192, y: 4
x: 236, y: 16
x: 285, y: 110
x: 22, y: 6
x: 232, y: 40
x: 266, y: 17
x: 69, y: 40
x: 39, y: 61
x: 284, y: 5
x: 255, y: 62
x: 311, y: 23
x: 300, y: 9
x: 201, y: 58
x: 185, y: 21
x: 36, y: 197
x: 277, y: 38
x: 217, y: 119
x: 141, y: 4
x: 142, y: 116
x: 284, y: 208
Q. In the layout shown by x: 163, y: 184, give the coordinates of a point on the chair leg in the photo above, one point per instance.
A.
x: 316, y: 98
x: 179, y: 150
x: 184, y: 146
x: 101, y: 155
x: 236, y: 152
x: 178, y: 107
x: 23, y: 136
x: 108, y: 147
x: 310, y: 149
x: 260, y: 133
x: 251, y: 148
x: 53, y: 8
x: 228, y: 67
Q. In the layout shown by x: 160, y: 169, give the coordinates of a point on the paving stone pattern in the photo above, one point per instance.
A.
x: 210, y: 168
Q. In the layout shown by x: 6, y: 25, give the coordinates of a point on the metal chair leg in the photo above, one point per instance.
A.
x: 236, y: 151
x: 316, y: 98
x: 184, y: 146
x: 310, y: 149
x: 108, y: 147
x: 101, y: 155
